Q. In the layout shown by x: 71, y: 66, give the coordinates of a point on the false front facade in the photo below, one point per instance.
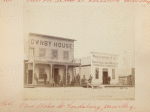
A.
x: 101, y: 66
x: 53, y: 56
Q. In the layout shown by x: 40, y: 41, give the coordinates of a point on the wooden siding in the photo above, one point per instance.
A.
x: 47, y: 43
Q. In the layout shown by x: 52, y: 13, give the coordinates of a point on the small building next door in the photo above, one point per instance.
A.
x: 105, y: 77
x: 30, y: 76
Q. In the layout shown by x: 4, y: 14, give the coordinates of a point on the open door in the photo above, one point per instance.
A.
x: 105, y: 77
x: 30, y: 76
x: 56, y: 76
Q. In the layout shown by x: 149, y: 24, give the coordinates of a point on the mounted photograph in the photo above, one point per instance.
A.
x: 79, y: 51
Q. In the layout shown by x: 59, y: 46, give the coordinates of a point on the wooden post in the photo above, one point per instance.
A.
x: 51, y: 68
x: 66, y: 73
x: 80, y: 71
x: 27, y: 73
x: 33, y: 70
x: 72, y: 73
x: 51, y: 72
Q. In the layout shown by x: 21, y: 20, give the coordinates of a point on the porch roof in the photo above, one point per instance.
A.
x: 57, y: 63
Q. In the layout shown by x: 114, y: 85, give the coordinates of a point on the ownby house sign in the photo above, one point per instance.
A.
x: 51, y: 43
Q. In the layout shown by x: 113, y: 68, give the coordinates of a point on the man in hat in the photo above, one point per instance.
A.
x: 45, y: 77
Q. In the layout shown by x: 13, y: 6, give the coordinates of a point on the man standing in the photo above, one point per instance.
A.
x: 68, y: 78
x: 45, y: 77
x: 108, y: 80
x: 58, y: 79
x: 64, y: 80
x: 36, y: 78
x: 90, y: 79
x: 78, y: 79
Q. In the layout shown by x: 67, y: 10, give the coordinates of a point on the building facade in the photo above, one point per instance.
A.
x: 53, y: 56
x: 100, y: 66
x: 128, y: 79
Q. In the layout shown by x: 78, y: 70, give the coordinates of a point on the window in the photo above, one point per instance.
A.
x: 66, y: 55
x: 54, y: 54
x: 41, y: 73
x: 42, y: 53
x: 97, y: 73
x: 113, y: 73
x: 31, y: 51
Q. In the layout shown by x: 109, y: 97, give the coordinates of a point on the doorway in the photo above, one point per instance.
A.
x: 56, y: 78
x: 30, y: 76
x: 105, y: 77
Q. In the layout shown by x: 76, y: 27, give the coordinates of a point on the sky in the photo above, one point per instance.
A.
x: 107, y: 28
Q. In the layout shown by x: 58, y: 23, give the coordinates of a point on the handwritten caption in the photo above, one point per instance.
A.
x: 71, y: 105
x: 7, y: 0
x: 89, y: 1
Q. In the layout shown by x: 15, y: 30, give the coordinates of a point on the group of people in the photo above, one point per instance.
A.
x: 44, y: 76
x: 76, y: 79
x: 106, y: 80
x: 84, y: 80
x: 61, y: 80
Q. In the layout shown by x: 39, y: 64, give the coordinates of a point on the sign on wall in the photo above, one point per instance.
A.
x: 50, y: 43
x: 104, y: 60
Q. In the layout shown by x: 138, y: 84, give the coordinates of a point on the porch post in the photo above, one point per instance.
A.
x: 80, y: 71
x: 72, y: 73
x: 27, y: 73
x: 66, y: 73
x: 51, y: 72
x: 33, y: 73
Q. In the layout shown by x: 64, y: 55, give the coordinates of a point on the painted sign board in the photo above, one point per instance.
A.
x: 104, y: 60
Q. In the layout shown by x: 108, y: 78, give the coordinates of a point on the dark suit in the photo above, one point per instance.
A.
x: 45, y: 77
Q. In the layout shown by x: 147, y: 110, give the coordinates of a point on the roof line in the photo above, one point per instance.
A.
x: 51, y: 36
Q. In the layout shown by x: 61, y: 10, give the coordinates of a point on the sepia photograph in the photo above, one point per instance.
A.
x: 79, y: 52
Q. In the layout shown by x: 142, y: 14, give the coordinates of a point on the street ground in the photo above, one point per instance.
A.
x: 79, y: 93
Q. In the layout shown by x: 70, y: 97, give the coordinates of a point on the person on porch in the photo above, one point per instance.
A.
x: 68, y: 78
x: 36, y: 78
x: 45, y: 77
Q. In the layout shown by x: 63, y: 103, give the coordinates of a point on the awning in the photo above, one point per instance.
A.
x: 57, y: 63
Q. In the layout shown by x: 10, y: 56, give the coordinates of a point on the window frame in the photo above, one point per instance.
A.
x: 30, y: 52
x: 53, y: 55
x: 40, y: 53
x: 64, y: 55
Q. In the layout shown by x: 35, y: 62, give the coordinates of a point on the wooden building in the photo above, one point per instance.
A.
x: 49, y: 55
x: 128, y: 79
x: 101, y: 66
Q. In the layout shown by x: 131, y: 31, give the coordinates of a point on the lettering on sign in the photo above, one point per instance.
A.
x: 104, y: 60
x: 49, y: 43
